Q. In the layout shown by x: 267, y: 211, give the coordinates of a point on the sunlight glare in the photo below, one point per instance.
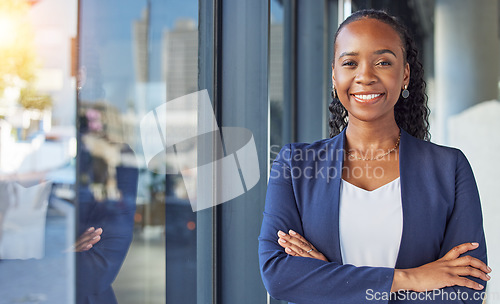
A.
x: 7, y: 31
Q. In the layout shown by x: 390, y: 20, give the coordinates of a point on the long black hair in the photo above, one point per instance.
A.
x: 412, y: 113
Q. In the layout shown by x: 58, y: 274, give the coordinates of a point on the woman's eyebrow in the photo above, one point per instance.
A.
x: 384, y: 51
x: 348, y: 54
x: 379, y: 52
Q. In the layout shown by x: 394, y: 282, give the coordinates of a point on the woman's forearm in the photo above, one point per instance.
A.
x: 401, y: 280
x: 450, y: 270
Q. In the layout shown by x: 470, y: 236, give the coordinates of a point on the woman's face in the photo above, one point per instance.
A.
x: 369, y: 70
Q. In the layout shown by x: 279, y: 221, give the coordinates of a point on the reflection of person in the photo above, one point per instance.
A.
x: 107, y: 190
x: 105, y: 228
x: 375, y: 209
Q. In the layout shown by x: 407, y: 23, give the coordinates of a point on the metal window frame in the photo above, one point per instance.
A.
x: 216, y: 261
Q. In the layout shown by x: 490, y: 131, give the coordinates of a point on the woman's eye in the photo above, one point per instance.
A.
x: 348, y: 63
x: 384, y: 63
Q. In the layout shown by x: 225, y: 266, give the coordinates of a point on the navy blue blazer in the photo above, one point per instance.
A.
x: 441, y: 209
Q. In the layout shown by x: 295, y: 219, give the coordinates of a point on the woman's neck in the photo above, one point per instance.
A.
x: 364, y: 136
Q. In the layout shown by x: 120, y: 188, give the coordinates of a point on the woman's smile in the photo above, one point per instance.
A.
x: 367, y: 98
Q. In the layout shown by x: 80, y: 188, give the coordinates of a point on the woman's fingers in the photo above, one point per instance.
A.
x: 473, y: 272
x: 85, y: 236
x: 83, y: 247
x: 291, y: 252
x: 289, y: 247
x: 451, y: 270
x: 470, y: 265
x: 456, y: 251
x: 297, y: 245
x: 301, y: 239
x: 300, y: 250
x: 471, y: 261
x: 453, y: 256
x: 462, y: 281
x: 88, y: 239
x: 300, y: 246
x: 89, y: 235
x: 283, y: 243
x: 94, y: 240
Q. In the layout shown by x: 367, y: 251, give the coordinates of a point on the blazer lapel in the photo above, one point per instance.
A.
x: 333, y: 191
x: 411, y: 185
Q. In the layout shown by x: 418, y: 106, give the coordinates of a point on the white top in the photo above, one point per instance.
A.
x: 371, y: 224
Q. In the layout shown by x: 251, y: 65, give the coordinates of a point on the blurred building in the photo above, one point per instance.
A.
x: 180, y: 58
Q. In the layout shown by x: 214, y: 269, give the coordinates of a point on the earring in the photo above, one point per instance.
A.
x: 405, y: 92
x: 334, y: 93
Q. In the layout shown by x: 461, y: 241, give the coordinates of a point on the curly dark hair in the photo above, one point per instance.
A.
x: 412, y: 113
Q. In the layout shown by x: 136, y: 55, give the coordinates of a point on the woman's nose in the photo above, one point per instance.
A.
x: 365, y: 74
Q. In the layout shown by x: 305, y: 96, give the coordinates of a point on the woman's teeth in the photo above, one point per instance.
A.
x: 366, y: 96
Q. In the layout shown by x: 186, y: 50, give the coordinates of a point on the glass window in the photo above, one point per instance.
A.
x: 134, y: 57
x: 72, y: 99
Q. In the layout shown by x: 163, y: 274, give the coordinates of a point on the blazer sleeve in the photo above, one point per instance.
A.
x: 465, y: 225
x: 307, y: 280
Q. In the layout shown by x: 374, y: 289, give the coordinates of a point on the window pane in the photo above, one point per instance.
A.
x: 134, y: 57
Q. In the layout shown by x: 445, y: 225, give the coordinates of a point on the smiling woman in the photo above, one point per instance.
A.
x: 396, y: 215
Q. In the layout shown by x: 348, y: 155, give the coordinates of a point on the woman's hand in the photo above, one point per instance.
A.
x: 88, y: 239
x: 450, y: 270
x: 297, y: 245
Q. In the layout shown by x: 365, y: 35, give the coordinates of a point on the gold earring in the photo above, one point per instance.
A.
x: 405, y: 92
x: 334, y: 93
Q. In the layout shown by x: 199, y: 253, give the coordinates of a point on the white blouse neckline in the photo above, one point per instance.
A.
x: 376, y: 189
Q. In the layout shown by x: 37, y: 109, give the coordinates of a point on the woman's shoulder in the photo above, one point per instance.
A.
x: 430, y: 150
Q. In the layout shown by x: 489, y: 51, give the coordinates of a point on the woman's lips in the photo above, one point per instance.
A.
x: 367, y: 98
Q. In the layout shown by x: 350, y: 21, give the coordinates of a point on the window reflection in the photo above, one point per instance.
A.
x: 135, y: 230
x: 37, y: 150
x: 134, y: 56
